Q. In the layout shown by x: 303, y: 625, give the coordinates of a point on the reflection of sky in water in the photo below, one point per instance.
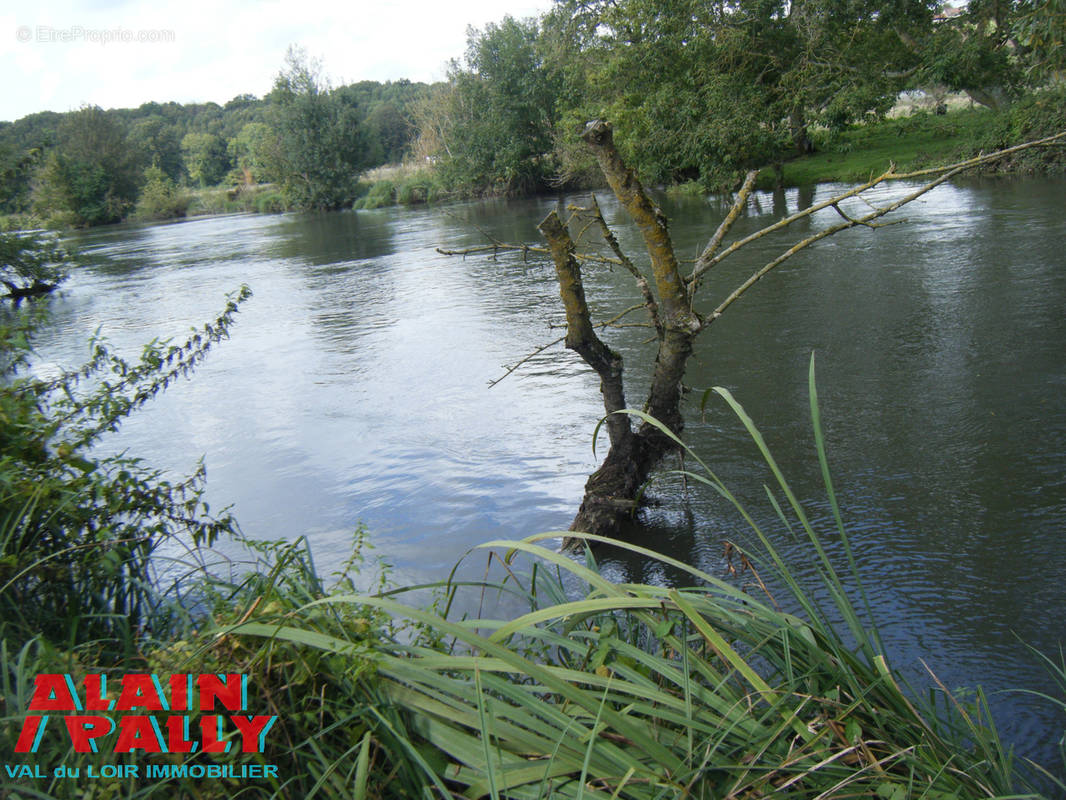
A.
x: 354, y: 389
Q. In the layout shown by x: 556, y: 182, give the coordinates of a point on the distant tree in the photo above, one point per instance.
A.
x: 996, y: 50
x: 702, y: 89
x: 94, y: 173
x: 388, y: 133
x: 256, y: 152
x: 494, y: 123
x: 206, y: 158
x: 16, y: 171
x: 322, y: 144
x: 161, y: 143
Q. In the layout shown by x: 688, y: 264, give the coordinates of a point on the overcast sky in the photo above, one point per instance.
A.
x: 58, y: 56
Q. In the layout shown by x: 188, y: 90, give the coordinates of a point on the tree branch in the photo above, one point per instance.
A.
x: 624, y: 260
x: 700, y: 269
x: 496, y: 247
x: 581, y: 335
x: 673, y: 292
x: 716, y: 241
x: 542, y: 348
x: 948, y: 173
x: 945, y: 172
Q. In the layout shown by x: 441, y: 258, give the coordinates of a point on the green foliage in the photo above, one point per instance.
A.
x: 924, y: 140
x: 421, y: 186
x: 160, y: 198
x: 404, y: 186
x: 492, y: 126
x: 702, y: 90
x: 389, y: 133
x: 256, y: 152
x: 77, y: 531
x: 206, y: 158
x: 1035, y: 116
x: 1040, y: 29
x: 270, y: 203
x: 321, y: 142
x: 161, y: 144
x: 94, y: 174
x: 381, y: 194
x: 16, y: 170
x: 29, y: 259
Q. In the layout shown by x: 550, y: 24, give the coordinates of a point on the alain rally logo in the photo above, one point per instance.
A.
x: 146, y: 717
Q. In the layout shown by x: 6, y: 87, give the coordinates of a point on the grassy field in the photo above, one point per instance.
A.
x: 923, y: 140
x: 913, y: 142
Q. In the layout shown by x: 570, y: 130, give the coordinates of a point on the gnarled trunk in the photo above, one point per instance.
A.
x: 611, y: 492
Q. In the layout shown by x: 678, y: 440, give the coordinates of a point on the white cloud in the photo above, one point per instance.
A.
x: 59, y: 54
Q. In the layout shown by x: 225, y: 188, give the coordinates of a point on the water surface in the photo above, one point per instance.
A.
x: 354, y: 390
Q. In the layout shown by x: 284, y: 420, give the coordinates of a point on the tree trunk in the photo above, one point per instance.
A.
x: 801, y: 140
x: 993, y: 97
x: 611, y: 492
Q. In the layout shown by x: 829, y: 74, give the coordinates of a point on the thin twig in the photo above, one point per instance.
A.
x: 780, y: 224
x: 525, y: 248
x: 625, y: 261
x: 542, y: 348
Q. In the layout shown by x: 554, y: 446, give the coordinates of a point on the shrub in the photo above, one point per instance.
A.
x: 381, y: 194
x: 270, y: 202
x: 77, y: 531
x: 160, y: 197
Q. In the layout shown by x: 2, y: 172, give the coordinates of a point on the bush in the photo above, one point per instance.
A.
x: 270, y: 202
x: 76, y: 531
x: 31, y: 264
x: 381, y: 194
x: 1035, y: 116
x: 160, y: 198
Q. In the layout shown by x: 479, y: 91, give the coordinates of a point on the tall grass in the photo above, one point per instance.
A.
x: 595, y: 690
x: 642, y: 691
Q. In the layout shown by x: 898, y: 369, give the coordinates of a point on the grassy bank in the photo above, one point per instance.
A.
x: 924, y: 139
x: 401, y: 184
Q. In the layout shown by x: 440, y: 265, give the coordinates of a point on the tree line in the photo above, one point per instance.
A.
x: 696, y: 90
x: 91, y: 166
x: 702, y: 90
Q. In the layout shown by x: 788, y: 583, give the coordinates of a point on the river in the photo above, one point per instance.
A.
x: 354, y: 389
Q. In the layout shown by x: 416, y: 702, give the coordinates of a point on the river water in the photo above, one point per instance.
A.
x: 354, y: 389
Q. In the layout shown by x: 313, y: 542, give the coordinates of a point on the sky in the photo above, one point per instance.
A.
x: 58, y: 55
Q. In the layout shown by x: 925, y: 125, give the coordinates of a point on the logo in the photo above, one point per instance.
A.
x: 147, y: 713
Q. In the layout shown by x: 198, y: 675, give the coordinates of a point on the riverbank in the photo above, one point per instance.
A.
x: 918, y: 139
x: 924, y: 140
x: 915, y: 139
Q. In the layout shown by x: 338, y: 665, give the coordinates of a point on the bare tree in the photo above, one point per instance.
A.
x: 669, y: 297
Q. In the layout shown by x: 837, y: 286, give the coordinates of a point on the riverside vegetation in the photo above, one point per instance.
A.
x: 701, y: 92
x: 745, y: 685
